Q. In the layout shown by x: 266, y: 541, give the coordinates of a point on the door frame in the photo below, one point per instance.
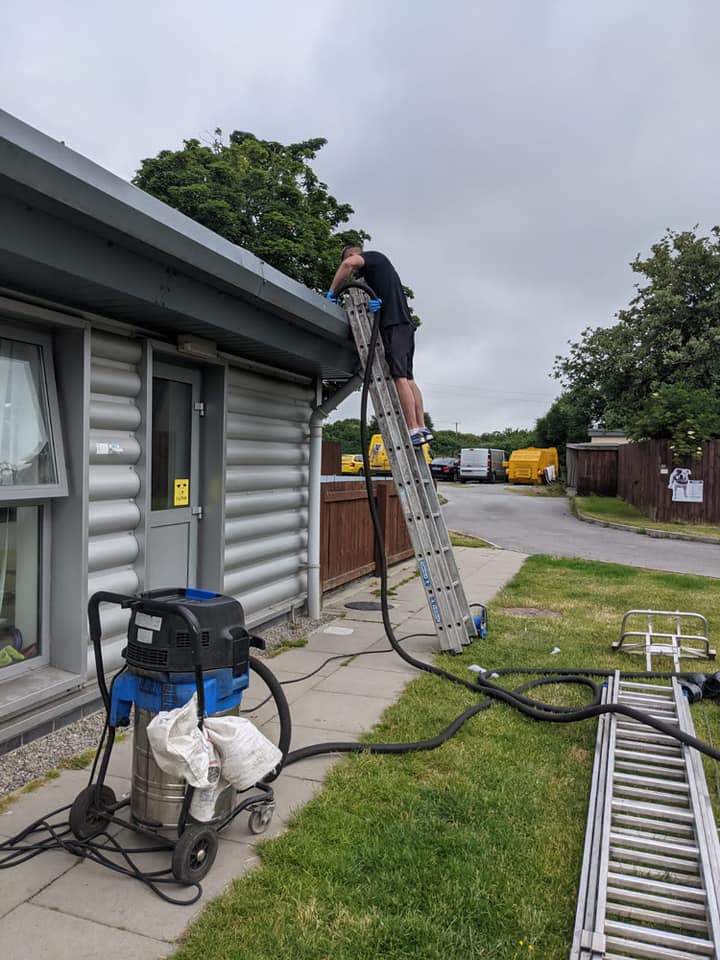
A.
x: 167, y: 370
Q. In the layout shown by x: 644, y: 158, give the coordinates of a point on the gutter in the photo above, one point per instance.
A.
x: 317, y: 417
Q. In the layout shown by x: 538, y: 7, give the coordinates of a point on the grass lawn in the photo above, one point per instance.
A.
x: 554, y: 489
x: 615, y: 510
x: 472, y: 850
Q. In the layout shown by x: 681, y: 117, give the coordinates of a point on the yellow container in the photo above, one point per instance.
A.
x: 533, y: 465
x: 379, y: 462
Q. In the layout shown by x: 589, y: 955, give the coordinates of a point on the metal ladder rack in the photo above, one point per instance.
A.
x: 650, y: 878
x: 451, y: 615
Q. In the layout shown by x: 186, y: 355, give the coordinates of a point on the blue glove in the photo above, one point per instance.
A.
x: 330, y: 295
x: 374, y: 305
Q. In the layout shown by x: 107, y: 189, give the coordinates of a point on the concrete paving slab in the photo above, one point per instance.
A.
x: 29, y: 878
x: 53, y: 794
x: 382, y: 660
x: 367, y: 682
x: 349, y: 644
x: 291, y: 793
x: 34, y: 931
x: 87, y: 890
x: 337, y: 711
x: 314, y: 768
x: 301, y: 660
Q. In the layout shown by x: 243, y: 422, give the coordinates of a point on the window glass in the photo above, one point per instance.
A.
x: 26, y: 449
x: 20, y: 563
x: 171, y: 438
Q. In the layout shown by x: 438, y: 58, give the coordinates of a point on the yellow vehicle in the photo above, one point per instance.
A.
x: 533, y: 465
x: 379, y: 462
x: 352, y: 463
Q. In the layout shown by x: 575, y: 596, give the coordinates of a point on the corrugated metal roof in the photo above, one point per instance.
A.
x: 75, y: 233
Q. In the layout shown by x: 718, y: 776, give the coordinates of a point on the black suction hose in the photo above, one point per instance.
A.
x: 535, y: 709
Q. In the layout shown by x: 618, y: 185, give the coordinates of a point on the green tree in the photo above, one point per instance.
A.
x: 656, y: 372
x: 261, y: 195
x: 565, y: 422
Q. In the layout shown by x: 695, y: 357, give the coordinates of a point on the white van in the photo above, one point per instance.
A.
x: 482, y: 463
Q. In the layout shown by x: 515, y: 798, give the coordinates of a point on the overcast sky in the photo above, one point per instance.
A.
x: 510, y: 156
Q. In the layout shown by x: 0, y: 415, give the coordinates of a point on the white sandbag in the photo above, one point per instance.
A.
x: 246, y: 755
x: 179, y: 746
x: 204, y: 799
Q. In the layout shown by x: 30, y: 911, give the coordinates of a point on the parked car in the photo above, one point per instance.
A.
x: 352, y: 463
x: 482, y: 463
x: 445, y: 468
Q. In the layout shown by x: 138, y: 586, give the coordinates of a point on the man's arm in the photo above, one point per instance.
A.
x: 346, y: 269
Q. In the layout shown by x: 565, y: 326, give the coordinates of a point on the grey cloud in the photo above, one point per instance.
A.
x: 511, y: 158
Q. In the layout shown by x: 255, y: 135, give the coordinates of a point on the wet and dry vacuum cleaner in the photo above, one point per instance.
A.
x: 181, y: 642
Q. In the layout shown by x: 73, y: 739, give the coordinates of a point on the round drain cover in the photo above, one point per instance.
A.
x: 366, y: 605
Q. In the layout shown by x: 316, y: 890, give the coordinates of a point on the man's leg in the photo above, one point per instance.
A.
x: 419, y: 408
x: 408, y: 402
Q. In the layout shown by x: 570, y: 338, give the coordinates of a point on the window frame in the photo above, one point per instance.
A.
x: 38, y: 492
x: 43, y: 658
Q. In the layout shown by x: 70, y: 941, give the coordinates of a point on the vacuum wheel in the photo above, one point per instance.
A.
x: 260, y: 818
x: 87, y: 818
x: 194, y: 853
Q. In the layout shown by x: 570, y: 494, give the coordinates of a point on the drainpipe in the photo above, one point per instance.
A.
x: 316, y: 424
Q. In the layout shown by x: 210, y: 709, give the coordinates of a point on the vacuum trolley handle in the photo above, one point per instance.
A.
x: 103, y: 596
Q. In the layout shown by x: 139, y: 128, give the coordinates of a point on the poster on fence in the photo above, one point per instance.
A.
x: 685, y: 490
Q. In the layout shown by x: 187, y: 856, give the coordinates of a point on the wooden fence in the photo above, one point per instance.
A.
x: 641, y: 483
x: 347, y: 540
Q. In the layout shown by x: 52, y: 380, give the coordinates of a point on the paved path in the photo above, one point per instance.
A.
x: 545, y: 525
x: 57, y: 906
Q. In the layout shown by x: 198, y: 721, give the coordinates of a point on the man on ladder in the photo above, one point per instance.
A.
x: 397, y: 328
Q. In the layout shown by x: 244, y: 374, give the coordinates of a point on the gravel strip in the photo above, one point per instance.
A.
x: 33, y: 760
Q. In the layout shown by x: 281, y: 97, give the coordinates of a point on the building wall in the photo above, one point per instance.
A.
x: 266, y: 493
x: 252, y: 543
x: 114, y: 481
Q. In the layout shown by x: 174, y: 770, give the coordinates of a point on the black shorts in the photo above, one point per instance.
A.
x: 399, y: 343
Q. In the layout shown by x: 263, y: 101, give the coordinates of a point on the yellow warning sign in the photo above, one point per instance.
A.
x: 181, y: 496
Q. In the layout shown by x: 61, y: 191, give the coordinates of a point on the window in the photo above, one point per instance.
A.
x: 32, y: 470
x: 31, y: 456
x: 171, y: 443
x: 20, y: 564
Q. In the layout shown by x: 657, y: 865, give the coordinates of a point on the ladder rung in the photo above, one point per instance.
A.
x: 645, y: 841
x: 657, y: 887
x: 654, y: 826
x: 634, y: 934
x: 634, y: 779
x: 653, y: 859
x: 642, y: 915
x: 653, y: 901
x: 660, y: 810
x: 648, y: 872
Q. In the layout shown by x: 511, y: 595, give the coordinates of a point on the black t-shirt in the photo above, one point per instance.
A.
x: 382, y: 276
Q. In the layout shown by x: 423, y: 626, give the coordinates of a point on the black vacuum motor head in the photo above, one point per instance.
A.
x: 160, y: 640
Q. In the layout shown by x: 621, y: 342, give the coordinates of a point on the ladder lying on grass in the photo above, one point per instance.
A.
x: 416, y: 491
x: 650, y: 877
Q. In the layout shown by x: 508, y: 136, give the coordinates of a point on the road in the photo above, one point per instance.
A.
x: 546, y: 525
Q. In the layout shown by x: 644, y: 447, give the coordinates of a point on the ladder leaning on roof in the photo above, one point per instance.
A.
x: 451, y: 615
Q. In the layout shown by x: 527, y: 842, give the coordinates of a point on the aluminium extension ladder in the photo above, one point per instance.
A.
x: 650, y: 878
x: 451, y: 615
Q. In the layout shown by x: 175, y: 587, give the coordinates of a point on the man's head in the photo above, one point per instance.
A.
x: 349, y: 249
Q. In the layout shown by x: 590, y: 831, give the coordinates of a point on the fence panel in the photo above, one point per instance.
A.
x: 597, y: 472
x: 347, y: 540
x: 397, y: 539
x: 641, y: 483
